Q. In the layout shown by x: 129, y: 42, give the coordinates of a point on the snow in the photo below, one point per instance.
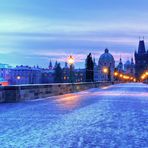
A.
x: 115, y: 116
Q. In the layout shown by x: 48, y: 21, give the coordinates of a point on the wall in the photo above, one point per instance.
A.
x: 30, y: 92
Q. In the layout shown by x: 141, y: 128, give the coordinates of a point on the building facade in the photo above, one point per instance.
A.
x: 120, y: 66
x: 25, y: 75
x: 5, y: 74
x: 78, y: 74
x: 129, y: 67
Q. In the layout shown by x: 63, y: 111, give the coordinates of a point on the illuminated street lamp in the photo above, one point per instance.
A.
x: 115, y: 74
x: 18, y: 77
x: 131, y: 78
x: 143, y: 77
x: 71, y: 62
x: 105, y: 70
x: 121, y: 75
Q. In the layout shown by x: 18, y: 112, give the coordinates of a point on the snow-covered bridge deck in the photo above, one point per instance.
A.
x: 114, y: 116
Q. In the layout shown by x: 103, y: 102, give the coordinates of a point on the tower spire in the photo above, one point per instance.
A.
x: 141, y: 48
x: 50, y: 65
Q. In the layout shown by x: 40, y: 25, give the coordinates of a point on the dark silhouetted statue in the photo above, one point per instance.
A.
x: 89, y: 68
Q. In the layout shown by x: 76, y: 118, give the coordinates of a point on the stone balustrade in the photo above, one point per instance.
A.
x: 19, y: 93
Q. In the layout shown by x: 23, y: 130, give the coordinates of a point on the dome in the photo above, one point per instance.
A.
x: 106, y: 58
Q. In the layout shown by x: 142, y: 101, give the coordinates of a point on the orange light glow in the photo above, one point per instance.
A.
x: 4, y: 83
x: 69, y: 100
x: 121, y: 75
x: 125, y: 77
x: 115, y: 73
x: 131, y: 78
x: 143, y: 76
x: 105, y: 70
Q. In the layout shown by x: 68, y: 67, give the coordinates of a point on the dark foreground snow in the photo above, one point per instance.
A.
x: 112, y: 117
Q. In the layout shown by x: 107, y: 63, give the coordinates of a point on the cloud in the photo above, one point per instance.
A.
x: 30, y: 35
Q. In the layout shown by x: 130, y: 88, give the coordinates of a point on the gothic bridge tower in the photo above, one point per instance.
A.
x: 141, y: 59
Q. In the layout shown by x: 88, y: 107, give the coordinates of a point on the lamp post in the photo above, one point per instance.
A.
x: 71, y: 62
x: 116, y: 73
x: 109, y: 74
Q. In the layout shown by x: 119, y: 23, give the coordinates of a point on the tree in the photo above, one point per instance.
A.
x: 89, y: 69
x: 58, y: 74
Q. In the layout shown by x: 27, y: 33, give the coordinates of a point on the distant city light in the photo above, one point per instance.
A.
x: 18, y: 77
x: 144, y: 76
x: 121, y: 75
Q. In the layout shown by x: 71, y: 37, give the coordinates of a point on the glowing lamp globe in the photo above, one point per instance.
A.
x: 115, y: 73
x: 105, y: 70
x: 70, y: 60
x: 18, y: 77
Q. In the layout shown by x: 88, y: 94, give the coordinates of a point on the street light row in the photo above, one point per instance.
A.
x: 120, y: 75
x: 124, y: 77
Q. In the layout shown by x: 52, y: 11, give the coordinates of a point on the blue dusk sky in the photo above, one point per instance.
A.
x: 34, y: 31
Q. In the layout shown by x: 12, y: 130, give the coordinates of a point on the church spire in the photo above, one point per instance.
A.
x: 56, y: 64
x: 120, y: 61
x: 50, y: 65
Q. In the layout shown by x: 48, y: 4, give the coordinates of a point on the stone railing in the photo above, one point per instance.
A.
x: 29, y: 92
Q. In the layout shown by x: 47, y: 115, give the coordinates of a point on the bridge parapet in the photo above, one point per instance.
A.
x: 19, y: 93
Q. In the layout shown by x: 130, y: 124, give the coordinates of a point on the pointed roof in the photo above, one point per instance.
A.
x: 132, y: 60
x: 120, y: 61
x: 50, y: 64
x: 56, y: 64
x: 141, y: 48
